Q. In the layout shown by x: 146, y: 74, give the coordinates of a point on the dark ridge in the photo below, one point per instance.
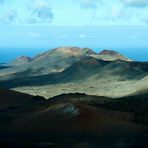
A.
x: 105, y: 51
x: 25, y: 58
x: 4, y: 67
x: 76, y: 97
x: 10, y: 100
x: 89, y: 51
x: 136, y: 104
x: 2, y: 64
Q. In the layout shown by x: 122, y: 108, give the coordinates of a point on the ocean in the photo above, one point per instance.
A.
x: 9, y: 54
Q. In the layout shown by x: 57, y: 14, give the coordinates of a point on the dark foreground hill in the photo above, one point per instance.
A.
x: 73, y: 120
x: 11, y: 99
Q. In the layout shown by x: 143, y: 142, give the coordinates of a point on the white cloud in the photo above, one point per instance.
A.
x: 36, y: 11
x: 31, y: 35
x: 53, y: 12
x: 40, y: 4
x: 125, y: 12
x: 63, y: 36
x: 8, y: 17
x: 116, y: 11
x: 89, y: 4
x: 135, y: 3
x: 82, y: 35
x: 42, y: 10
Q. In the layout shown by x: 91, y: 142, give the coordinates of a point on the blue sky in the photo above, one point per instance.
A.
x: 45, y: 24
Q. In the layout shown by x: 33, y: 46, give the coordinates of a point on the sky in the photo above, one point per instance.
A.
x: 31, y: 26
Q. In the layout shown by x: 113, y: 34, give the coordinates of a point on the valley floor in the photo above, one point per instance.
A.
x: 107, y: 88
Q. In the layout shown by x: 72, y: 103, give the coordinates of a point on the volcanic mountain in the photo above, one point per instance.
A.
x: 86, y: 70
x: 111, y: 55
x: 20, y: 61
x: 57, y: 60
x: 52, y: 61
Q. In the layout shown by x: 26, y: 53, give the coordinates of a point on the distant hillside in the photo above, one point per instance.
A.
x: 57, y: 60
x: 20, y: 61
x: 52, y: 61
x: 111, y: 55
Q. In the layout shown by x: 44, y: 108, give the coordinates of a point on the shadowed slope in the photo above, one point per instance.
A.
x: 123, y: 70
x: 11, y: 99
x: 88, y: 68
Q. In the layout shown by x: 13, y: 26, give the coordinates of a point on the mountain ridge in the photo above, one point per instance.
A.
x: 51, y: 61
x: 76, y: 51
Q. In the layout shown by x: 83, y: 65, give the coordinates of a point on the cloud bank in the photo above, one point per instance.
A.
x: 136, y: 3
x: 27, y: 12
x: 78, y: 12
x: 42, y: 11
